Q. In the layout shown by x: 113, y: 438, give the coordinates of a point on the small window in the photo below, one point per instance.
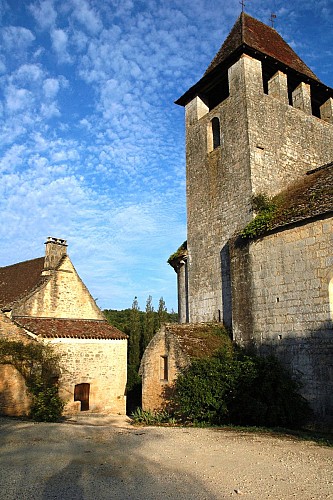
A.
x: 216, y: 132
x: 164, y: 372
x: 330, y: 294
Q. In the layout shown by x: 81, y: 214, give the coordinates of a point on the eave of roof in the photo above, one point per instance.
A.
x: 254, y: 38
x: 266, y: 40
x: 70, y: 328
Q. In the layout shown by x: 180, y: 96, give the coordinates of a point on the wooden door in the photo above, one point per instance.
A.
x: 81, y: 393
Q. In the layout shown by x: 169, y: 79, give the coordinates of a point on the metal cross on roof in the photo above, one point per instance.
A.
x: 272, y: 19
x: 242, y: 2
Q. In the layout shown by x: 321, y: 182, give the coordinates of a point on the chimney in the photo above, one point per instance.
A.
x: 55, y: 248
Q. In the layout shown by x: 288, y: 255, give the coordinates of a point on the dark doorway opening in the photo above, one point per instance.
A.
x: 81, y: 393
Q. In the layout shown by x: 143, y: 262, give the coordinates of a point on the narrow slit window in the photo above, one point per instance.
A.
x: 330, y: 294
x: 164, y: 371
x: 216, y: 132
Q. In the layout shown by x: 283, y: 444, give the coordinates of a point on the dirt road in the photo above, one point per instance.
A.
x: 97, y: 459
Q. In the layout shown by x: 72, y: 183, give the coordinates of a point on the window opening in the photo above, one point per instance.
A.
x: 330, y: 294
x: 216, y: 132
x: 164, y: 372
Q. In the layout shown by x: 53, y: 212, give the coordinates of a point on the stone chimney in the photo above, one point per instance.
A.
x: 55, y: 248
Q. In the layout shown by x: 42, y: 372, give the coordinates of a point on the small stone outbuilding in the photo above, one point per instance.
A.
x: 169, y: 352
x: 45, y: 300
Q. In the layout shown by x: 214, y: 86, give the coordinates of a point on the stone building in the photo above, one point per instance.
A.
x: 170, y: 351
x: 45, y: 300
x: 260, y: 122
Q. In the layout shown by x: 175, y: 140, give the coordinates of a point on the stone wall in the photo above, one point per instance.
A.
x: 265, y: 145
x: 14, y: 397
x: 100, y: 363
x: 63, y: 295
x: 156, y: 389
x: 284, y: 305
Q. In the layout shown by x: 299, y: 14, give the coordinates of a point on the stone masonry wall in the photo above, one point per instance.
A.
x: 100, y: 363
x: 291, y: 272
x: 265, y: 145
x: 14, y: 397
x: 64, y: 295
x: 154, y: 389
x: 218, y: 194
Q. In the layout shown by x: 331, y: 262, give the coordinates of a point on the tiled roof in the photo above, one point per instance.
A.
x: 18, y: 279
x: 252, y: 37
x: 11, y: 331
x: 262, y: 38
x: 199, y: 340
x: 309, y: 197
x: 70, y: 328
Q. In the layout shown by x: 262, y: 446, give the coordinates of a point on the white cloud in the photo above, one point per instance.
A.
x: 16, y: 39
x: 87, y: 17
x: 44, y: 13
x: 28, y: 74
x: 59, y: 39
x: 18, y: 99
x: 51, y: 88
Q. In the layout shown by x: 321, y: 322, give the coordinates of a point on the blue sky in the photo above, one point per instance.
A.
x: 92, y: 144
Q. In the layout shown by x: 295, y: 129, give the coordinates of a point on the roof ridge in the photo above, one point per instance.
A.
x: 258, y: 36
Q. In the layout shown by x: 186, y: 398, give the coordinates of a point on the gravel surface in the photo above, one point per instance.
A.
x: 106, y: 458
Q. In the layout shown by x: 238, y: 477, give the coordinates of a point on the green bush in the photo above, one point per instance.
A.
x: 241, y: 389
x: 266, y: 209
x: 46, y: 405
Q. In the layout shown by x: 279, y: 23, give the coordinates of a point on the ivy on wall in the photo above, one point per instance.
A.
x: 39, y: 366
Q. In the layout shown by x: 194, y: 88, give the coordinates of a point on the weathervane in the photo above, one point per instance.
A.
x: 272, y: 19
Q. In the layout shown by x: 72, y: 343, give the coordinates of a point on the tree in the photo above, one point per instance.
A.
x: 149, y: 324
x: 134, y: 335
x: 162, y: 313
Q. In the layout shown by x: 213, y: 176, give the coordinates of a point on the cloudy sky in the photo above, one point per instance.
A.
x: 92, y: 145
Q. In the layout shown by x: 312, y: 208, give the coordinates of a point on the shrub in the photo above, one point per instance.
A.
x: 46, y: 405
x: 148, y: 417
x: 266, y: 209
x: 241, y: 389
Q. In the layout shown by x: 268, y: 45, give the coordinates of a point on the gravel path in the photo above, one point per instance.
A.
x: 106, y: 458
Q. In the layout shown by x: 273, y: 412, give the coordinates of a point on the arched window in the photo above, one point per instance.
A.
x: 216, y: 132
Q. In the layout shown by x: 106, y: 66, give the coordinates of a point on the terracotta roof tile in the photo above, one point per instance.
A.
x: 18, y: 279
x: 252, y: 37
x: 262, y: 38
x: 70, y: 328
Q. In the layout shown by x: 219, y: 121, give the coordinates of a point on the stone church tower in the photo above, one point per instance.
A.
x: 257, y: 120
